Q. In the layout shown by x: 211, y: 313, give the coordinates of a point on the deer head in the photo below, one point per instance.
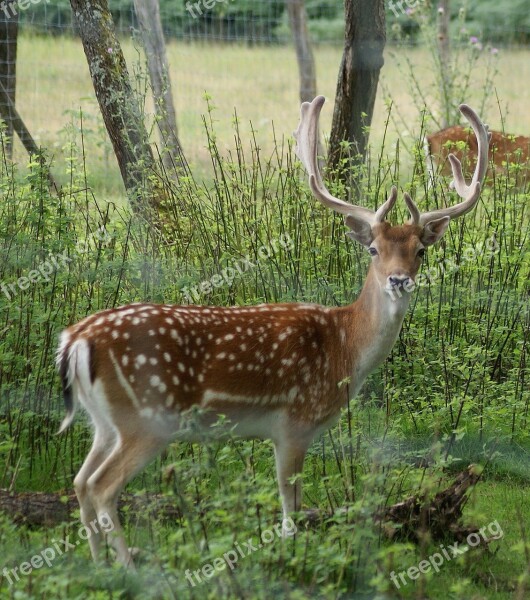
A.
x: 396, y: 251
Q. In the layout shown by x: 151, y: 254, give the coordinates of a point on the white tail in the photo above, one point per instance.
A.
x: 274, y: 370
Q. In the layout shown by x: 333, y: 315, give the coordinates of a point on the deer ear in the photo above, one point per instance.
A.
x: 361, y: 231
x: 434, y: 230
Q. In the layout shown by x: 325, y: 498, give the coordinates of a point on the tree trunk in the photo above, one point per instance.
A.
x: 118, y: 104
x: 19, y: 127
x: 148, y: 13
x: 444, y: 52
x: 304, y: 55
x: 362, y: 59
x: 8, y: 66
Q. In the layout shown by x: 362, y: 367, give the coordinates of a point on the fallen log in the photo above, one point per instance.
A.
x: 416, y: 517
x: 39, y: 509
x: 412, y: 519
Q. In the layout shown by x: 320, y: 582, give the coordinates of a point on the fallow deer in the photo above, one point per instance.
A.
x: 509, y: 153
x: 143, y: 371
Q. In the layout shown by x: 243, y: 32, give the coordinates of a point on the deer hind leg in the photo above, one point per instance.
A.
x: 104, y: 440
x: 132, y: 452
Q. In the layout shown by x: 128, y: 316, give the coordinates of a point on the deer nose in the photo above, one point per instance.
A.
x: 400, y: 281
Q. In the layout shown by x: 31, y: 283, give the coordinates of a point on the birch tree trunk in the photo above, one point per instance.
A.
x: 444, y: 52
x: 304, y: 55
x: 148, y: 13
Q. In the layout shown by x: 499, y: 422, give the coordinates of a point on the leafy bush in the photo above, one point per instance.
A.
x: 503, y: 22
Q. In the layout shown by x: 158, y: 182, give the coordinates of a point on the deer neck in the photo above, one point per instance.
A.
x: 373, y: 324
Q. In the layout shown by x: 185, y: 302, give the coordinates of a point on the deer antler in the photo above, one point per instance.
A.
x: 470, y: 193
x: 307, y: 140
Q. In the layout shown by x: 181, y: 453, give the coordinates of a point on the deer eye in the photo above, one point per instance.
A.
x: 372, y: 251
x: 421, y: 253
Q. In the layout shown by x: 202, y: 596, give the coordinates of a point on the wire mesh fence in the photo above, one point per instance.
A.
x: 228, y: 59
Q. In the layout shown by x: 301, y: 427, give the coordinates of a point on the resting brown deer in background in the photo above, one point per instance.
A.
x: 505, y: 150
x: 274, y: 370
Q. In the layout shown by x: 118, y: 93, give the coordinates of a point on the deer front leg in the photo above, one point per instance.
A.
x: 290, y: 456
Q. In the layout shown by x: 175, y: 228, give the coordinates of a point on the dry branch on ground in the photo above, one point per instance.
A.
x: 38, y: 509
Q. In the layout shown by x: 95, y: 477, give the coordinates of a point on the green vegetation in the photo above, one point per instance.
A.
x: 454, y: 390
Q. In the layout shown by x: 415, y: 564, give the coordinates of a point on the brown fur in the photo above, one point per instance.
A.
x: 504, y: 148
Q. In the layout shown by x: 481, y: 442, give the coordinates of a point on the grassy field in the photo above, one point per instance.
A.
x: 453, y: 392
x: 260, y: 83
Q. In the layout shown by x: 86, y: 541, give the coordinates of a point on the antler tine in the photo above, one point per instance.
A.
x: 415, y: 214
x: 470, y: 192
x: 385, y: 208
x: 306, y: 137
